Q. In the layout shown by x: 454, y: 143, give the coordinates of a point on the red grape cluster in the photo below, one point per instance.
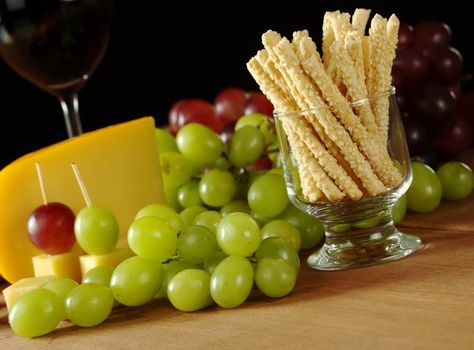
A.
x: 230, y: 104
x: 427, y: 73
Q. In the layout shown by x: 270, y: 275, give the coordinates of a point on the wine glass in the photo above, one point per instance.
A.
x: 357, y: 233
x: 56, y: 44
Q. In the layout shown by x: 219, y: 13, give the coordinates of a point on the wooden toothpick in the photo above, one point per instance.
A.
x: 82, y: 186
x: 41, y: 182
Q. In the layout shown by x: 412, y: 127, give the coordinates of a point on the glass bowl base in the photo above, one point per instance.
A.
x: 374, y: 249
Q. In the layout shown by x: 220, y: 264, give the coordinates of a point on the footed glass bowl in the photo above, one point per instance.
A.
x: 357, y: 232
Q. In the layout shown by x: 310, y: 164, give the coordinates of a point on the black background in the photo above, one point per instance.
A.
x: 160, y: 53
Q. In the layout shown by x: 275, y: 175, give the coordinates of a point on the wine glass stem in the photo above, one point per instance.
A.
x: 70, y: 106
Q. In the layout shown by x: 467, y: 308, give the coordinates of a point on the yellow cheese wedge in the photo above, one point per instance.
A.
x: 60, y: 265
x: 88, y: 262
x: 120, y: 168
x: 16, y: 290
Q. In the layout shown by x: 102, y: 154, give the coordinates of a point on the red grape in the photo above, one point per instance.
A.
x: 434, y: 106
x: 258, y: 103
x: 403, y: 100
x: 455, y: 90
x: 262, y: 163
x: 51, y: 228
x: 456, y: 141
x: 446, y: 63
x: 431, y: 33
x: 466, y: 106
x: 411, y: 65
x: 227, y: 132
x: 416, y: 135
x: 194, y: 111
x: 230, y: 104
x: 405, y: 35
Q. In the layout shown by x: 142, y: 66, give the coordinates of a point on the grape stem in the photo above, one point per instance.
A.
x: 82, y: 186
x: 41, y: 182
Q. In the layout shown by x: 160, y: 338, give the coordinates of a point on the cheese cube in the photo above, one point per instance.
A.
x: 16, y: 290
x: 112, y: 259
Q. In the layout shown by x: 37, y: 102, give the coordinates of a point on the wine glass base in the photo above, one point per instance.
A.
x: 376, y: 249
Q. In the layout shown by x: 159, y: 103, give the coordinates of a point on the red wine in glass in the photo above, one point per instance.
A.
x: 56, y: 44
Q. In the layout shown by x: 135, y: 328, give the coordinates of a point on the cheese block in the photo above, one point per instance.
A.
x: 88, y: 262
x: 16, y: 290
x: 120, y: 168
x: 60, y: 265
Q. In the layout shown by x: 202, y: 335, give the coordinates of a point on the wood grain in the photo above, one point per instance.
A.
x: 424, y: 301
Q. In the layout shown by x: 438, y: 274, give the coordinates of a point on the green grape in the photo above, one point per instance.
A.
x: 339, y: 228
x: 278, y: 248
x: 277, y: 170
x: 96, y: 230
x: 35, y: 313
x: 189, y: 214
x: 196, y: 244
x: 98, y: 275
x: 244, y: 181
x: 199, y: 143
x: 424, y: 194
x: 238, y: 234
x: 368, y: 223
x: 311, y: 228
x: 61, y: 286
x: 457, y: 180
x: 171, y: 197
x: 399, y: 209
x: 262, y: 122
x: 188, y: 194
x: 209, y: 219
x: 275, y: 277
x: 232, y: 281
x: 261, y: 221
x: 235, y: 206
x: 267, y: 195
x: 165, y: 142
x: 136, y: 280
x: 153, y: 238
x: 88, y: 305
x: 215, y: 259
x: 217, y: 187
x: 284, y: 230
x: 221, y: 163
x: 175, y: 168
x: 164, y: 212
x: 246, y: 146
x: 189, y: 290
x: 169, y: 271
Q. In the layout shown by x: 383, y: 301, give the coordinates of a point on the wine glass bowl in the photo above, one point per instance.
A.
x: 357, y: 232
x: 56, y: 45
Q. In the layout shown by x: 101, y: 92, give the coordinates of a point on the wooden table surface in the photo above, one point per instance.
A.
x: 424, y: 301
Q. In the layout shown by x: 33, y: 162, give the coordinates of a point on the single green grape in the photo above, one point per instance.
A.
x: 246, y: 146
x: 165, y: 142
x: 88, y: 305
x: 196, y: 244
x: 215, y: 259
x: 284, y: 230
x: 399, y: 209
x: 96, y: 230
x: 98, y: 275
x: 153, y: 238
x: 164, y: 212
x: 238, y: 234
x: 209, y: 219
x: 232, y: 281
x: 457, y: 180
x: 278, y: 248
x: 36, y: 313
x: 175, y: 168
x: 275, y: 277
x: 199, y: 143
x: 170, y: 269
x: 311, y: 229
x: 217, y: 187
x: 339, y: 228
x: 171, y: 197
x: 424, y: 194
x: 188, y: 194
x: 189, y: 214
x: 368, y: 223
x: 189, y: 290
x: 277, y: 170
x: 235, y: 206
x: 267, y: 195
x: 222, y: 163
x: 136, y: 280
x: 262, y: 122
